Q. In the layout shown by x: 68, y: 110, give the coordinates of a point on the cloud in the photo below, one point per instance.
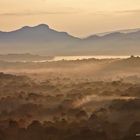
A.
x: 71, y: 11
x: 135, y: 11
x: 35, y: 13
x: 119, y: 12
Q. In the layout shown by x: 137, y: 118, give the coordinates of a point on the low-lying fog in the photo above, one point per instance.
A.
x: 70, y: 99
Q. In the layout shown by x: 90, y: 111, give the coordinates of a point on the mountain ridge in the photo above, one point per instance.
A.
x: 41, y: 39
x: 125, y: 31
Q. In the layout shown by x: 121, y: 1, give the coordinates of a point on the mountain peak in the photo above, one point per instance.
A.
x: 42, y: 26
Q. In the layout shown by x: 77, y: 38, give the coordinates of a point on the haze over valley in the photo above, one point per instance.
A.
x: 40, y: 100
x: 70, y: 70
x: 48, y: 79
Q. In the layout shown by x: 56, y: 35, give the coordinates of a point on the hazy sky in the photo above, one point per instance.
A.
x: 78, y: 17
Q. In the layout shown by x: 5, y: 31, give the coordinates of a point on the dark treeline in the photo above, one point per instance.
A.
x: 74, y: 100
x: 92, y: 129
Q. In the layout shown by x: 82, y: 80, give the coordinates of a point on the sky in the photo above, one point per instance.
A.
x: 77, y: 17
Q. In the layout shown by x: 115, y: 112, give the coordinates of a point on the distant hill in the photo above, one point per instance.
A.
x: 121, y: 31
x: 40, y: 33
x: 43, y: 40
